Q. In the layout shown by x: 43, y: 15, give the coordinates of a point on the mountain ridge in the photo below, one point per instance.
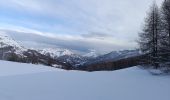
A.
x: 56, y: 57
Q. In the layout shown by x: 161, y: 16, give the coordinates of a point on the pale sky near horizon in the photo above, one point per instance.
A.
x: 80, y: 25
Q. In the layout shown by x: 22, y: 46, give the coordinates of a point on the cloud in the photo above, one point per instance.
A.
x: 74, y: 43
x: 97, y: 35
x: 82, y: 16
x: 104, y: 25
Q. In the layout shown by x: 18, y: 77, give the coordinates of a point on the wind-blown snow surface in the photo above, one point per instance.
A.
x: 31, y: 82
x: 12, y: 68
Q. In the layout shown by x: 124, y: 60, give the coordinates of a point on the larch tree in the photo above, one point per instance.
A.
x: 165, y: 38
x: 149, y: 37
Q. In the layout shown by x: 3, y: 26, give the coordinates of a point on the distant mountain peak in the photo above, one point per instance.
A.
x: 7, y: 41
x: 55, y: 52
x: 91, y: 53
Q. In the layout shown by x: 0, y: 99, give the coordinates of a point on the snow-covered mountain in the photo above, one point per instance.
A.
x: 12, y: 50
x: 55, y: 52
x: 122, y: 54
x: 9, y: 46
x: 74, y: 60
x: 6, y: 40
x: 115, y: 55
x: 92, y: 54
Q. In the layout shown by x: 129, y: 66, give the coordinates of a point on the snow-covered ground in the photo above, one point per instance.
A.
x: 36, y: 82
x: 13, y: 68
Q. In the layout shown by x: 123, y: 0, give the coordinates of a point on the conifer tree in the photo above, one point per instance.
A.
x: 149, y: 37
x: 165, y: 36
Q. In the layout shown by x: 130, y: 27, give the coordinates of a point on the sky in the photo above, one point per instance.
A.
x: 78, y: 25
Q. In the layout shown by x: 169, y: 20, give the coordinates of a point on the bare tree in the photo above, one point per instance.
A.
x: 165, y: 36
x: 149, y: 37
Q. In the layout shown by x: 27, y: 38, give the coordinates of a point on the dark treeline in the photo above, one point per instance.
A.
x: 155, y: 36
x: 112, y: 65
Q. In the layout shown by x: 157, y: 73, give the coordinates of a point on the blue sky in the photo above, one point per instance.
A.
x: 82, y: 25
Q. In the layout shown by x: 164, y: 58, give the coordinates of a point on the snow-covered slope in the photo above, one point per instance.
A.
x: 12, y: 68
x: 74, y: 60
x: 116, y: 55
x: 92, y: 54
x: 7, y: 41
x: 121, y: 54
x: 50, y: 84
x: 55, y: 52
